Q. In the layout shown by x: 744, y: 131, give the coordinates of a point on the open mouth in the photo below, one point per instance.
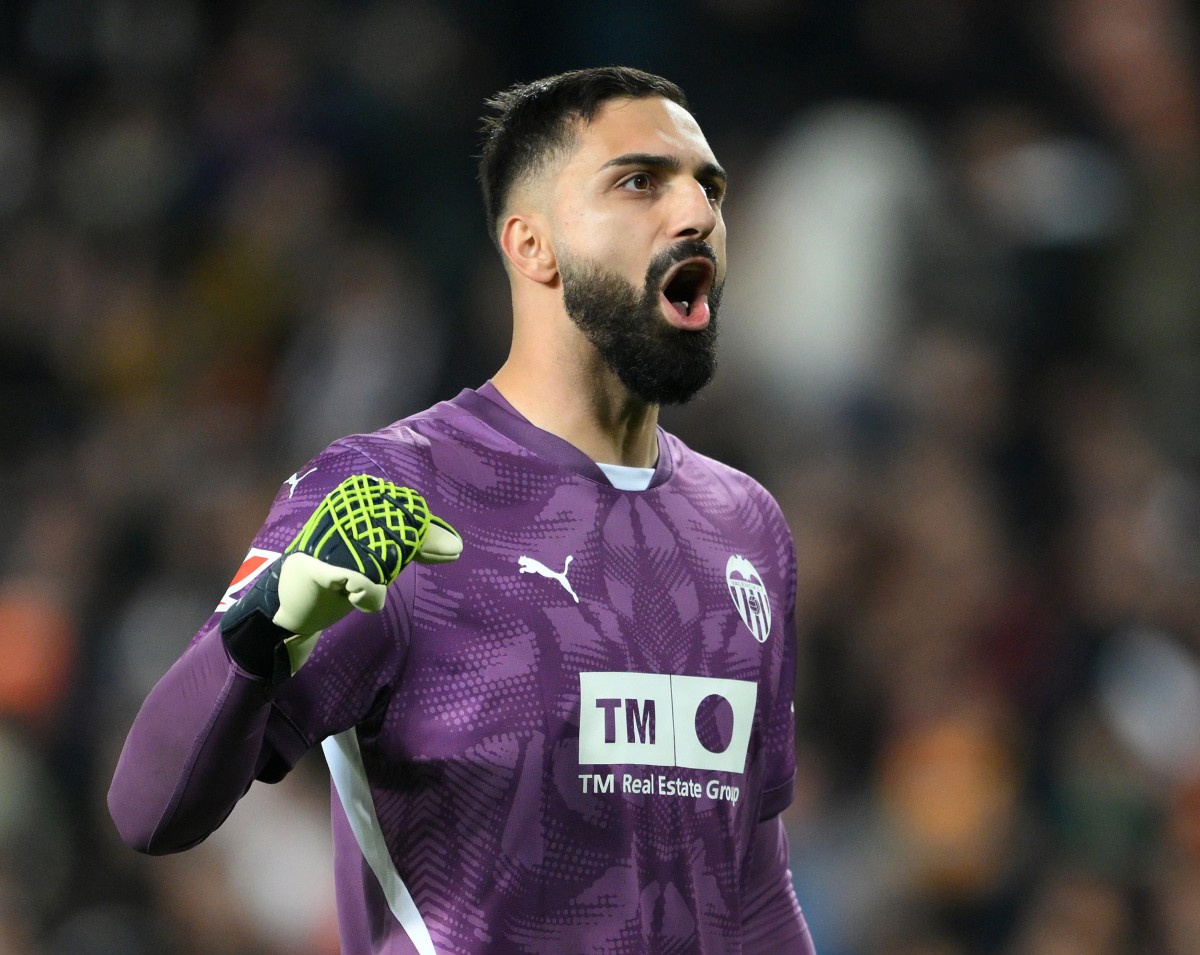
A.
x: 687, y: 285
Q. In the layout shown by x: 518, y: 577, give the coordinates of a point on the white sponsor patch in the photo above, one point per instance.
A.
x: 653, y: 719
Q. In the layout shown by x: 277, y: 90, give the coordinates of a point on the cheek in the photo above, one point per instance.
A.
x: 589, y: 234
x: 718, y: 236
x: 612, y: 235
x: 609, y: 242
x: 717, y: 241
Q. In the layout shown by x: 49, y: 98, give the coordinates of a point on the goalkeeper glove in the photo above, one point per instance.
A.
x: 354, y: 545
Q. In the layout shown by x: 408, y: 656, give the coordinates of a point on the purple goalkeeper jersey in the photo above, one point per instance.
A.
x: 569, y: 740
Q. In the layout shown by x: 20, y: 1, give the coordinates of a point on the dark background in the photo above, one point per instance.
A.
x: 961, y: 345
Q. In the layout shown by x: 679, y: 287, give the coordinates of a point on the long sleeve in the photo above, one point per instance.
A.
x: 772, y: 923
x: 209, y: 728
x: 192, y: 752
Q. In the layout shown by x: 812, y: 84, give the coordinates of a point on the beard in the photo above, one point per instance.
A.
x: 656, y: 361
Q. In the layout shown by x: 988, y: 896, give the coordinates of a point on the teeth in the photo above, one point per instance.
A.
x: 687, y: 308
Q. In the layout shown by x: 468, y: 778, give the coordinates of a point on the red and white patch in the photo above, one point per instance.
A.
x: 252, y: 567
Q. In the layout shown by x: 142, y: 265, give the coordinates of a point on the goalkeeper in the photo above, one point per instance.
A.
x: 569, y: 729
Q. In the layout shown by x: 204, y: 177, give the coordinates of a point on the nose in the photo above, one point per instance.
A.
x: 695, y: 215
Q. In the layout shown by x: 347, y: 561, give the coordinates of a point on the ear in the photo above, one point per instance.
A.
x: 525, y: 240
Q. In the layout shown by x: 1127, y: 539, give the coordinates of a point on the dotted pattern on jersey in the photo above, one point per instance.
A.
x: 466, y: 689
x: 591, y: 852
x: 366, y: 524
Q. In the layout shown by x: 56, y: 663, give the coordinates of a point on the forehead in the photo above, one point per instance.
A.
x: 646, y: 125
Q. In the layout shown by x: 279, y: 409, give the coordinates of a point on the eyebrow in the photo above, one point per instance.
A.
x: 666, y: 163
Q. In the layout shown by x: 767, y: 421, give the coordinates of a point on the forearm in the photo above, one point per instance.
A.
x: 192, y: 751
x: 772, y: 923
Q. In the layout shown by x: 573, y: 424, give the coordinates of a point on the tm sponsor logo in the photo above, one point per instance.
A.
x: 664, y: 720
x: 659, y: 784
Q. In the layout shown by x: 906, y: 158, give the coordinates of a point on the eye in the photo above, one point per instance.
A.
x: 638, y: 182
x: 714, y: 190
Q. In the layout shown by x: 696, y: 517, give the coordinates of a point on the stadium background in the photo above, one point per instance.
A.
x: 962, y: 346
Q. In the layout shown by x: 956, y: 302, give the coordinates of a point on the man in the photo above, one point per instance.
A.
x: 576, y: 736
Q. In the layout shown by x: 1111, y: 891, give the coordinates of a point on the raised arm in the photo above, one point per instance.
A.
x: 192, y: 752
x: 203, y: 734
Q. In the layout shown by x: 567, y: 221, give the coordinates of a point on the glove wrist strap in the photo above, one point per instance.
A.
x: 254, y: 642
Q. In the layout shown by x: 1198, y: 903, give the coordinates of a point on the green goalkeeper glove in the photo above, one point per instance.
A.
x: 354, y: 545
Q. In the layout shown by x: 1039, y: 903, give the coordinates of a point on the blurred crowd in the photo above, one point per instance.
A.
x: 961, y: 345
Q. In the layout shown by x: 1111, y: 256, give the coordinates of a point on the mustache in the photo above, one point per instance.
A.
x: 662, y: 263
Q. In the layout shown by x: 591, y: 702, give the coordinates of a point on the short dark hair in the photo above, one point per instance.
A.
x: 532, y: 121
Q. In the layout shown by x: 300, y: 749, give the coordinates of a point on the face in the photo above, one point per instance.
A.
x: 640, y: 245
x: 655, y: 359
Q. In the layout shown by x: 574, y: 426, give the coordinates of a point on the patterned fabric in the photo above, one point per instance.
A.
x: 368, y: 525
x: 564, y: 741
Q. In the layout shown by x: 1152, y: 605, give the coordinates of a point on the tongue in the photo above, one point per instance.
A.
x: 690, y: 315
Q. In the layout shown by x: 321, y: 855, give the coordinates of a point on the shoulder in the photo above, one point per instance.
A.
x: 449, y: 455
x: 444, y: 421
x: 404, y: 448
x: 693, y: 469
x: 730, y: 497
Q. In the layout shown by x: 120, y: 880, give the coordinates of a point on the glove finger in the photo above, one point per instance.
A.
x: 365, y: 595
x: 367, y: 524
x: 312, y: 594
x: 403, y: 528
x: 440, y: 544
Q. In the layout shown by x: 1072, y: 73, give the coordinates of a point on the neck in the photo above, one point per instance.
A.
x: 587, y: 407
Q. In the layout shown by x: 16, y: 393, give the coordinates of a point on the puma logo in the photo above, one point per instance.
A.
x: 295, y: 479
x: 531, y: 566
